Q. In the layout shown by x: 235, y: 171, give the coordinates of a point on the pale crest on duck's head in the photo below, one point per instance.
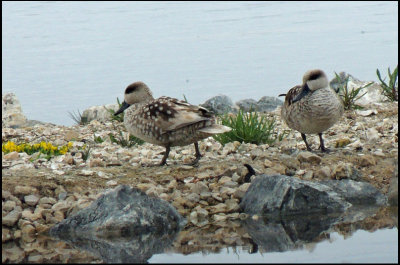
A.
x: 315, y: 79
x: 137, y: 92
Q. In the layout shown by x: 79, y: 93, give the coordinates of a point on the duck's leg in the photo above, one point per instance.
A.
x: 197, y: 155
x: 164, y: 159
x: 321, y: 145
x: 305, y: 141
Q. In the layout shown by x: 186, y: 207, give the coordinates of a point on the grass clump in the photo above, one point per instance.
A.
x: 119, y: 117
x: 249, y: 127
x: 390, y: 90
x: 350, y: 97
x: 78, y: 118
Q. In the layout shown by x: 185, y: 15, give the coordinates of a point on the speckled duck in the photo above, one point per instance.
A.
x: 166, y: 121
x: 313, y: 107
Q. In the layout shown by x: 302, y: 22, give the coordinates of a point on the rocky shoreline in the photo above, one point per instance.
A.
x: 38, y: 193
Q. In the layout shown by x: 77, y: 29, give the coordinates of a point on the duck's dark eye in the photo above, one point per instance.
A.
x: 315, y: 75
x: 130, y: 89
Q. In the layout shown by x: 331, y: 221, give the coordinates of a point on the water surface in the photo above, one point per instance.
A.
x: 68, y: 56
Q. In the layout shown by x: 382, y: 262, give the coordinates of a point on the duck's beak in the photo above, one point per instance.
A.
x: 304, y: 91
x: 123, y: 107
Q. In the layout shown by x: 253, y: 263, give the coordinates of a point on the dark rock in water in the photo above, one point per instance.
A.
x: 279, y: 195
x: 357, y: 193
x: 283, y: 195
x: 123, y: 225
x: 123, y: 211
x: 266, y: 104
x: 220, y: 104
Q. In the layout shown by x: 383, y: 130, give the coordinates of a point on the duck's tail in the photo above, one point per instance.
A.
x: 215, y: 129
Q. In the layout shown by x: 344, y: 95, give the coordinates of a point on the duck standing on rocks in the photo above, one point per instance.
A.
x: 166, y: 121
x: 312, y: 107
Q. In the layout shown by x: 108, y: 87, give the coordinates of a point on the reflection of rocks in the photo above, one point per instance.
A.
x: 283, y: 195
x: 122, y: 225
x: 133, y: 248
x: 295, y: 232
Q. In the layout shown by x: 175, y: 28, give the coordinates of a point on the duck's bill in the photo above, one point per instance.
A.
x: 304, y: 91
x: 123, y: 107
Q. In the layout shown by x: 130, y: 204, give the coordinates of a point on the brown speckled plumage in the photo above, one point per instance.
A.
x: 166, y: 121
x: 312, y: 107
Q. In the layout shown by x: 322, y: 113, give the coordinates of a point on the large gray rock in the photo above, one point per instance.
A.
x: 357, y: 193
x: 99, y: 113
x: 120, y: 212
x: 266, y: 104
x: 220, y: 104
x: 11, y: 114
x: 285, y: 196
x: 373, y: 92
x: 247, y: 104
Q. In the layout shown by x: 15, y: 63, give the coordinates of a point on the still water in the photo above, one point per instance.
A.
x: 60, y: 57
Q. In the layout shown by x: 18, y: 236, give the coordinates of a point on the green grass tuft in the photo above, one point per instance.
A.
x: 391, y: 90
x: 249, y: 128
x: 349, y: 97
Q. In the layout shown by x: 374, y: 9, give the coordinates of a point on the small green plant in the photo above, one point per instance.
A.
x: 249, y: 128
x: 78, y: 118
x: 350, y: 97
x: 119, y: 117
x: 97, y: 139
x: 121, y: 140
x: 391, y: 90
x: 86, y: 152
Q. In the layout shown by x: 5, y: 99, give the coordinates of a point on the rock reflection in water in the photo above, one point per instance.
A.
x: 129, y: 249
x: 297, y: 232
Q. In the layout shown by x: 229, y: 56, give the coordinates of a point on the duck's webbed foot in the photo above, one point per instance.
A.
x: 321, y: 145
x: 305, y: 141
x: 198, y: 155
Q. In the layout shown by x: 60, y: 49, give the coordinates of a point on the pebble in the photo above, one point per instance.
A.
x: 12, y: 217
x: 31, y: 200
x: 309, y: 157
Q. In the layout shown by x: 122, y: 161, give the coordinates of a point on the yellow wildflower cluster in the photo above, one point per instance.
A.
x: 43, y: 147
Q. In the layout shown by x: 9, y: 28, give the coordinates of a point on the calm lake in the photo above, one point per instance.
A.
x: 61, y: 57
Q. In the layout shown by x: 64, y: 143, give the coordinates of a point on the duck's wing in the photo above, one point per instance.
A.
x: 291, y: 94
x: 171, y: 114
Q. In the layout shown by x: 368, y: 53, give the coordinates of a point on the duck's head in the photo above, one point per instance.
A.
x: 135, y: 93
x: 315, y: 79
x: 312, y: 81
